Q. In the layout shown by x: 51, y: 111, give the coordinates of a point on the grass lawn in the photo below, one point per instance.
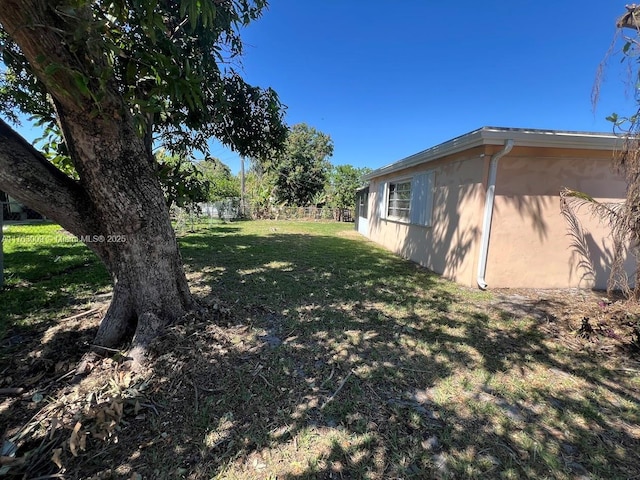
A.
x: 47, y: 275
x: 320, y: 355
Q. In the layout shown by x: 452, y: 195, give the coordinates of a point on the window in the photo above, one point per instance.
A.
x: 399, y: 202
x: 408, y: 200
x: 363, y: 203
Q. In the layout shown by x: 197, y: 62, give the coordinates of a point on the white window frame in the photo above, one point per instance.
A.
x: 422, y: 187
x: 392, y: 210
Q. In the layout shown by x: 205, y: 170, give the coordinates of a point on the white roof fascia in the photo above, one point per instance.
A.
x: 497, y: 136
x: 458, y: 144
x: 551, y: 139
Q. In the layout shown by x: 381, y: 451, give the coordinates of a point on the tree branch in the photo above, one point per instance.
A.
x: 41, y: 31
x: 27, y: 176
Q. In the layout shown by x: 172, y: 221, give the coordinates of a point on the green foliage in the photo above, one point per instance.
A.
x: 259, y: 186
x: 319, y: 199
x: 183, y: 183
x: 221, y: 183
x: 301, y: 171
x: 343, y: 183
x: 53, y: 148
x: 20, y: 91
x: 168, y: 62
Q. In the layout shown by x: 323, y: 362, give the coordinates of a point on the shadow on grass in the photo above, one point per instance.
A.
x: 46, y: 271
x: 339, y: 360
x: 343, y: 361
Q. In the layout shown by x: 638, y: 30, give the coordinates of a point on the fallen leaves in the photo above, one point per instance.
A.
x: 55, y: 458
x: 77, y: 440
x: 63, y: 427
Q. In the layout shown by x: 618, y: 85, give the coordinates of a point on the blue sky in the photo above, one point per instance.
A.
x: 386, y: 79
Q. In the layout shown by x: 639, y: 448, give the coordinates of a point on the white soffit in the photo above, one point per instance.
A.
x: 497, y: 136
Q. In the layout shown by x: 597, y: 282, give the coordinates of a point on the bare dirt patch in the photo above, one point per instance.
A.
x: 585, y: 319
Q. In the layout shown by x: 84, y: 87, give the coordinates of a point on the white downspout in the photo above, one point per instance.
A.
x: 488, y: 213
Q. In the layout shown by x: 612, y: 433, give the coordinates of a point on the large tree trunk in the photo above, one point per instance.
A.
x: 122, y: 217
x: 150, y: 289
x: 117, y: 207
x: 136, y: 239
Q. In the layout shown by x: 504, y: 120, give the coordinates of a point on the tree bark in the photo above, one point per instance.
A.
x: 117, y: 207
x: 121, y: 217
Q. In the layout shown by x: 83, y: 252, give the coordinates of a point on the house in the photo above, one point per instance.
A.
x: 12, y: 210
x: 483, y: 209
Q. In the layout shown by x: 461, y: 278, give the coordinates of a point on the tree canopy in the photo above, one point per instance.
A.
x: 167, y: 63
x: 301, y: 170
x: 343, y: 183
x: 221, y: 183
x: 183, y: 183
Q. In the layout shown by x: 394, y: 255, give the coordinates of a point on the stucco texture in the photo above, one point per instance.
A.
x: 530, y: 244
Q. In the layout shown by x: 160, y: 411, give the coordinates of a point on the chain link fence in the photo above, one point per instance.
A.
x: 232, y: 209
x: 186, y: 219
x: 300, y: 213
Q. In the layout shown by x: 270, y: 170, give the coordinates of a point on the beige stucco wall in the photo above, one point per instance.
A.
x: 450, y: 245
x: 529, y: 245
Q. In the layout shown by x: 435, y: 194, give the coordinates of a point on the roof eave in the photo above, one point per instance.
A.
x: 494, y: 136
